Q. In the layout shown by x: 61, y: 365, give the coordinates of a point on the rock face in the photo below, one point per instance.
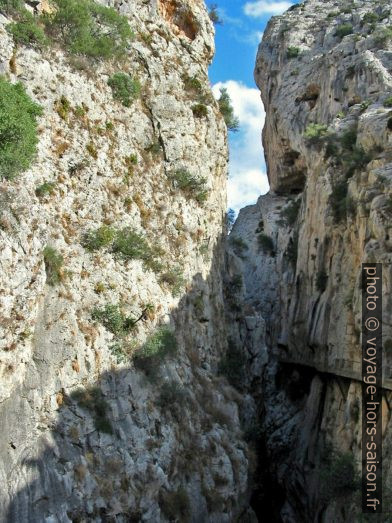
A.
x: 325, y: 74
x: 87, y: 436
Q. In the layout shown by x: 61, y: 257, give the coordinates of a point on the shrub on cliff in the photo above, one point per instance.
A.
x: 191, y: 185
x: 227, y: 110
x: 292, y: 52
x: 315, y: 132
x: 53, y: 266
x: 266, y: 244
x: 88, y: 28
x: 10, y: 6
x: 339, y: 476
x: 27, y: 30
x: 125, y: 88
x: 344, y: 30
x: 18, y: 129
x: 157, y: 347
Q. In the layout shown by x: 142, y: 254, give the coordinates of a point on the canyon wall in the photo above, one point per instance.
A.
x: 91, y: 431
x: 324, y: 70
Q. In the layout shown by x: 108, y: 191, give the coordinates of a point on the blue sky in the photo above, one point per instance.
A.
x: 236, y: 46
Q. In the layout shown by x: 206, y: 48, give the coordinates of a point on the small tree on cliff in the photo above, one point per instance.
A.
x: 227, y: 111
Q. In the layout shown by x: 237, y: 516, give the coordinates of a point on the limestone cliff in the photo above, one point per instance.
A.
x: 325, y: 74
x: 91, y: 432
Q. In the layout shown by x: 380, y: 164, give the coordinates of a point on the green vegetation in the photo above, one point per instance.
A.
x: 338, y: 200
x: 214, y: 15
x: 27, y: 31
x: 113, y: 319
x: 288, y: 215
x: 370, y: 18
x: 175, y: 505
x: 192, y: 84
x: 343, y: 30
x: 321, y: 281
x: 63, y: 107
x: 200, y: 110
x: 126, y: 243
x: 339, y: 476
x: 132, y: 246
x: 266, y: 244
x: 87, y: 28
x: 292, y: 249
x: 227, y: 111
x: 93, y: 400
x: 82, y: 27
x: 292, y: 52
x: 315, y: 132
x: 239, y: 245
x: 98, y: 239
x: 53, y: 266
x: 382, y: 35
x: 191, y: 185
x: 45, y: 188
x: 18, y: 129
x: 388, y: 102
x: 175, y: 279
x: 125, y: 88
x: 10, y: 6
x: 151, y: 355
x: 233, y: 365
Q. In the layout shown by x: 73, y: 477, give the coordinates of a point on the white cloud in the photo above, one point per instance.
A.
x: 266, y: 7
x: 247, y: 177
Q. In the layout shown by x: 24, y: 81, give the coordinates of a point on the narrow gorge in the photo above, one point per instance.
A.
x: 155, y: 365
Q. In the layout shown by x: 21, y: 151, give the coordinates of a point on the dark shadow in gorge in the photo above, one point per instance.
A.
x: 46, y: 477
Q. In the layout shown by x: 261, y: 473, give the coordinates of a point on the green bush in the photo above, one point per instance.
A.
x: 266, y: 244
x: 131, y: 245
x: 343, y: 30
x: 53, y: 266
x: 288, y: 215
x: 338, y: 200
x: 27, y: 31
x: 239, y: 245
x: 339, y: 476
x: 200, y: 110
x: 87, y: 28
x: 93, y: 400
x: 124, y: 87
x: 101, y: 237
x: 233, y: 365
x: 175, y: 279
x: 292, y: 52
x: 388, y: 102
x: 227, y: 110
x: 45, y: 188
x: 382, y: 35
x: 321, y: 281
x: 113, y: 319
x: 191, y: 185
x: 11, y: 6
x: 292, y: 249
x: 18, y: 129
x: 151, y: 355
x: 192, y: 84
x: 315, y: 132
x: 214, y: 15
x: 175, y: 505
x: 370, y: 18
